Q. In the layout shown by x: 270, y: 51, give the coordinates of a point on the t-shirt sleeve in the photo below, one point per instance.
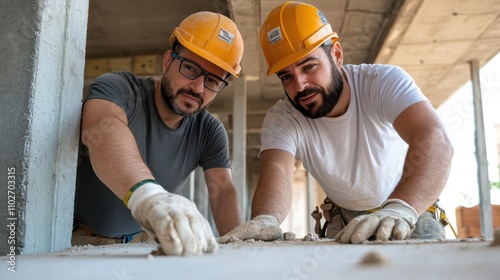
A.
x: 216, y: 154
x: 115, y: 88
x: 278, y: 132
x: 398, y: 91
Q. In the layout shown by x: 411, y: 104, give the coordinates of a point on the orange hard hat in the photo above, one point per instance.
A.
x: 212, y: 36
x: 291, y: 31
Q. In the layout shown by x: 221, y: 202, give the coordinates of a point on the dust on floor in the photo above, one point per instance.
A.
x: 284, y: 259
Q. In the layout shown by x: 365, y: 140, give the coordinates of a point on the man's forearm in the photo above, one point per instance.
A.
x: 223, y: 199
x: 115, y: 157
x: 273, y: 197
x: 274, y: 190
x: 226, y: 211
x: 426, y: 169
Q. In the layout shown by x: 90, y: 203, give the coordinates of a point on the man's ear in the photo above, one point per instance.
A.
x: 167, y: 59
x: 337, y: 53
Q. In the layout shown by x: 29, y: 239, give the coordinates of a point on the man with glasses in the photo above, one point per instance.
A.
x: 141, y: 138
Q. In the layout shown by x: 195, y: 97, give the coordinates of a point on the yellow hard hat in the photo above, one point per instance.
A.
x: 291, y: 31
x: 212, y: 36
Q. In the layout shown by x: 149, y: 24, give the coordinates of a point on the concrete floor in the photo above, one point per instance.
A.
x: 322, y: 259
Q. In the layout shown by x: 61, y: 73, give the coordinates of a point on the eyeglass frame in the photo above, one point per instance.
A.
x: 203, y: 72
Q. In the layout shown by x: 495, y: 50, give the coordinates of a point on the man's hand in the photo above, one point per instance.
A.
x: 262, y: 227
x: 172, y: 220
x: 395, y: 220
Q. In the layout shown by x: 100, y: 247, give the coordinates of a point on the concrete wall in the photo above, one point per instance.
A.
x: 41, y: 80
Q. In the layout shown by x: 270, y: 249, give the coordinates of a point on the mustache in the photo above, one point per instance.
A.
x: 191, y: 93
x: 308, y: 91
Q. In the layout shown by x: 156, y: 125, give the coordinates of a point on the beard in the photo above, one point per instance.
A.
x: 169, y: 97
x: 330, y: 96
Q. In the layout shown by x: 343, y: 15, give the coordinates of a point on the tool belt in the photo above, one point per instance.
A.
x: 333, y: 217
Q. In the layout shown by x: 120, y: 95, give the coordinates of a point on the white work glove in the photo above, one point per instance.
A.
x: 395, y: 220
x: 172, y: 220
x: 262, y: 227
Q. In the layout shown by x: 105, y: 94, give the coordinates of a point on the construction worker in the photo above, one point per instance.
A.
x: 366, y: 133
x: 141, y: 138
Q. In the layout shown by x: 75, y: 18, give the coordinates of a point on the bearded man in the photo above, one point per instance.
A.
x: 141, y: 138
x: 366, y: 133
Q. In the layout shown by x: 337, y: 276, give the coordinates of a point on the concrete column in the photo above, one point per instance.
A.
x: 311, y: 202
x: 188, y: 188
x: 201, y: 193
x: 201, y: 198
x: 239, y: 155
x: 41, y: 80
x: 481, y: 157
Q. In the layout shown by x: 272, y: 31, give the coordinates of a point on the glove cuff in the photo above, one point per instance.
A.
x: 402, y: 207
x: 142, y: 193
x: 267, y: 219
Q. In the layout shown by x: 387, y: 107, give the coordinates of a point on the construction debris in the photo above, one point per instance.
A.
x: 496, y: 238
x: 289, y: 235
x: 310, y: 237
x: 374, y: 258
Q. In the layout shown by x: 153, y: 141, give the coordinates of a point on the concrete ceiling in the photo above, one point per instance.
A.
x: 432, y: 40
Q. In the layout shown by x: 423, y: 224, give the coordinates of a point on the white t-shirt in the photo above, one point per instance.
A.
x: 356, y: 158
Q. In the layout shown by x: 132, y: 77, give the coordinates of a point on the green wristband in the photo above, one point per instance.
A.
x: 135, y: 187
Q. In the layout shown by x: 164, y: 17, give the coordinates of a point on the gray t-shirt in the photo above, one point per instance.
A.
x: 170, y: 154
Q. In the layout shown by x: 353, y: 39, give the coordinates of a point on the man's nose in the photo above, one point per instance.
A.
x: 198, y: 84
x: 300, y: 83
